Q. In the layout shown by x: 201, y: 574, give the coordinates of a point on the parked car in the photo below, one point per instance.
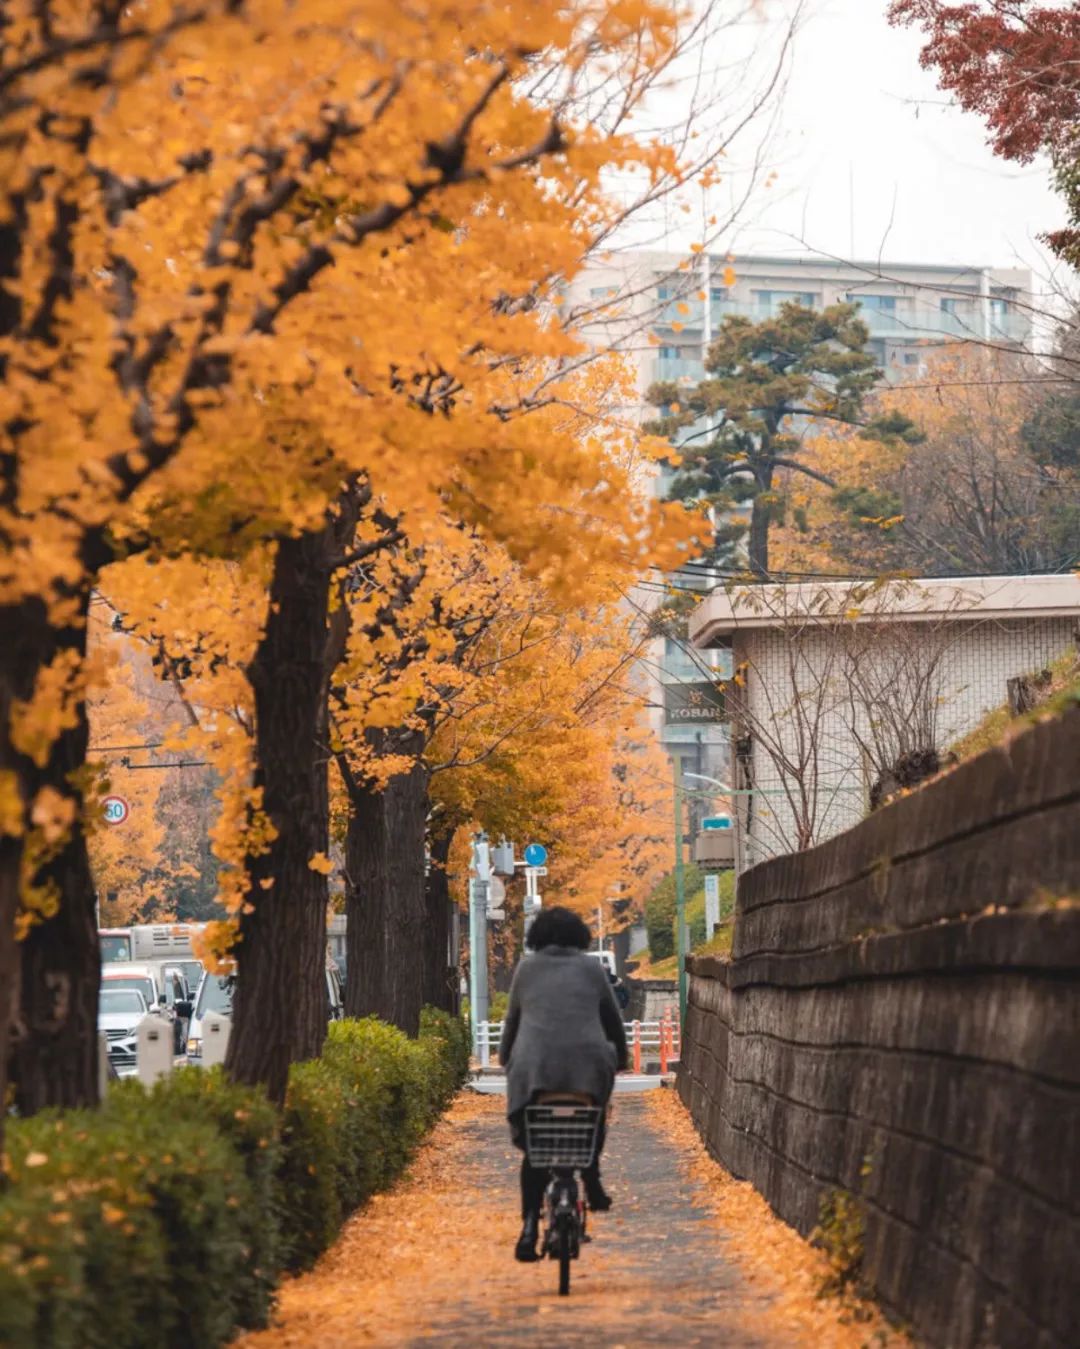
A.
x: 119, y: 1012
x: 192, y: 971
x: 164, y: 988
x: 215, y: 993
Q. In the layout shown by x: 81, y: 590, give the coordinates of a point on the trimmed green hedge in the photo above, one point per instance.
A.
x: 167, y: 1216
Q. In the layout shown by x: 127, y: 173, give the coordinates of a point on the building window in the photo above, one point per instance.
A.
x: 771, y: 300
x: 718, y: 292
x: 664, y: 292
x: 876, y: 348
x: 597, y: 291
x: 883, y: 303
x: 911, y: 358
x: 668, y: 353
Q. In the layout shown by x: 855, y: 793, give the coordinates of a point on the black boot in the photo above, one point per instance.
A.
x: 525, y: 1250
x: 598, y: 1197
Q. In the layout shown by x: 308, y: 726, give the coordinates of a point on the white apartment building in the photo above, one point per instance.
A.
x: 832, y: 677
x: 653, y: 305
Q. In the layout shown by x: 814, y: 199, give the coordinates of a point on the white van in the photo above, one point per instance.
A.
x: 215, y: 995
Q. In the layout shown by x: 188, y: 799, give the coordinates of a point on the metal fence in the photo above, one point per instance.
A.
x: 646, y: 1040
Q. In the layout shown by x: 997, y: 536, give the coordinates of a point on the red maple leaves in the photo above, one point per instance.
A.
x: 1014, y: 63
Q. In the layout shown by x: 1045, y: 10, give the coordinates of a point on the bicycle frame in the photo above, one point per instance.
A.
x: 566, y: 1214
x: 561, y: 1136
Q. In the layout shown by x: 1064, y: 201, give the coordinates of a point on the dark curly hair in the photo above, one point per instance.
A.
x: 558, y: 927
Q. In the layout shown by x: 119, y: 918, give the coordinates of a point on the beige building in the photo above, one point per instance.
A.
x: 836, y: 680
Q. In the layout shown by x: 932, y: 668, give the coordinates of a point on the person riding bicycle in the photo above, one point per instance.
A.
x: 563, y: 1033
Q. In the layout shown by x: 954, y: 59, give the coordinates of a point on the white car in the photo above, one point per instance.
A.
x: 119, y: 1012
x: 163, y: 987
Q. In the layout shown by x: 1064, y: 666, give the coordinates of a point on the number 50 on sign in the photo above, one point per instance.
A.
x: 116, y: 809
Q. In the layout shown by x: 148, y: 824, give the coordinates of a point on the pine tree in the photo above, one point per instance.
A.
x: 765, y: 384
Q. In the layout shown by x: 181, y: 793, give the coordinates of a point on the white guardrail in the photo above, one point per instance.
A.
x: 645, y: 1039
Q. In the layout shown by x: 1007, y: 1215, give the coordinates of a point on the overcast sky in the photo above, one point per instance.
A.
x: 860, y: 111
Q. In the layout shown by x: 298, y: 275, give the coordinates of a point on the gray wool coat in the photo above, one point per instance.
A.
x: 563, y: 1031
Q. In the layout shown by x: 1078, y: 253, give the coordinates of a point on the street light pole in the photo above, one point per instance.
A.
x: 478, y: 952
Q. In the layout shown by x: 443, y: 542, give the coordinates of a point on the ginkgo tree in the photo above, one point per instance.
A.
x: 187, y: 199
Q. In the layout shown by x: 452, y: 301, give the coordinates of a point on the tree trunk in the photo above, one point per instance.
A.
x: 55, y: 1059
x: 54, y: 995
x: 760, y: 519
x: 385, y: 891
x: 19, y: 664
x: 441, y: 974
x: 279, y: 1012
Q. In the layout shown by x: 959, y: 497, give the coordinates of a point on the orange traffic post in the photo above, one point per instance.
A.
x: 667, y: 1031
x: 663, y: 1047
x: 637, y: 1046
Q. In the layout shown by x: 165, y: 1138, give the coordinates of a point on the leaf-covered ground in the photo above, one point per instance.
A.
x: 687, y: 1257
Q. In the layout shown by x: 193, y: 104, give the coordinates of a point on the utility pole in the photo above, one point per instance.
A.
x: 681, y: 943
x: 478, y: 948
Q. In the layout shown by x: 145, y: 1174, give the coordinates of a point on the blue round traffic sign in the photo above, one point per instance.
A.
x: 535, y: 855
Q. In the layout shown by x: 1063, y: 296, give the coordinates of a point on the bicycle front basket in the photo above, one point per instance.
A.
x: 561, y: 1135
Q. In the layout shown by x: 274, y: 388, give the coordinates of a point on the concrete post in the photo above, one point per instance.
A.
x: 154, y: 1049
x: 215, y: 1038
x: 102, y: 1065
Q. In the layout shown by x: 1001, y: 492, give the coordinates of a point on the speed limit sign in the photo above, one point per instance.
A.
x: 116, y: 809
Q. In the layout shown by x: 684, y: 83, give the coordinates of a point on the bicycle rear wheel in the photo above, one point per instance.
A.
x: 564, y: 1259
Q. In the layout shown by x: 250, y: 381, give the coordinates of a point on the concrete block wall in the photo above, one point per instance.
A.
x: 901, y: 1022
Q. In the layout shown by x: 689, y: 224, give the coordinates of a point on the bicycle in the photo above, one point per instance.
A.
x: 560, y: 1135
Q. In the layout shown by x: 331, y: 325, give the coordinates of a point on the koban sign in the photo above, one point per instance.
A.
x: 699, y: 702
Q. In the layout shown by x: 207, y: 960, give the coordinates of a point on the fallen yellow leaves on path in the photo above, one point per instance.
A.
x: 688, y: 1258
x: 770, y: 1255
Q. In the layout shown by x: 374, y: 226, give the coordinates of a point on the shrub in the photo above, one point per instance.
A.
x: 168, y: 1215
x: 118, y: 1220
x: 660, y: 911
x: 314, y: 1153
x: 250, y: 1123
x: 454, y: 1051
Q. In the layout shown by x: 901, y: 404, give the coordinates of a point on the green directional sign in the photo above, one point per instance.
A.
x: 697, y: 703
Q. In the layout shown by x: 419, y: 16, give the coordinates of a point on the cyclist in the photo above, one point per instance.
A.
x: 563, y: 1033
x: 619, y: 989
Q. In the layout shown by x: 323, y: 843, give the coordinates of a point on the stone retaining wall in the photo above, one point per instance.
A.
x: 651, y: 998
x: 901, y: 1021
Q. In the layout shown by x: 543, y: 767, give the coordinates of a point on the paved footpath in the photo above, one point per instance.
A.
x: 430, y: 1263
